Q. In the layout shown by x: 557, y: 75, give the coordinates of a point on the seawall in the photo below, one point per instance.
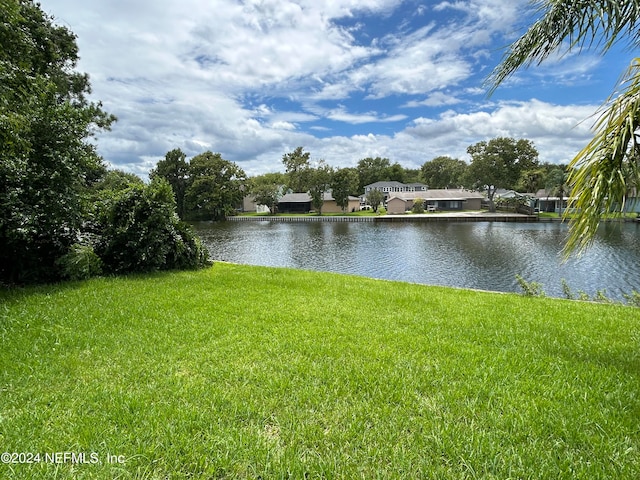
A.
x: 441, y: 217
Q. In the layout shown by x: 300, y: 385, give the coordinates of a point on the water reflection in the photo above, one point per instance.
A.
x: 469, y: 255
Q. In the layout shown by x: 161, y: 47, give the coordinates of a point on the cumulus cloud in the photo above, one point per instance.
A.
x: 256, y: 79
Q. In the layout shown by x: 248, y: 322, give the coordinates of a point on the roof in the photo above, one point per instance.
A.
x: 295, y: 198
x: 438, y: 194
x: 392, y: 183
x: 544, y: 195
x: 305, y: 197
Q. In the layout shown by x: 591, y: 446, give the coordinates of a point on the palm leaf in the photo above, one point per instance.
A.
x: 606, y: 170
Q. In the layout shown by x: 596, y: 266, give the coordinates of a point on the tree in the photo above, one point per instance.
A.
x: 499, y: 163
x: 215, y: 188
x: 297, y: 168
x: 374, y: 198
x: 175, y: 170
x: 443, y: 172
x: 47, y: 164
x: 396, y: 172
x: 608, y: 168
x: 267, y: 189
x: 372, y: 170
x: 531, y: 180
x: 343, y: 184
x: 319, y: 182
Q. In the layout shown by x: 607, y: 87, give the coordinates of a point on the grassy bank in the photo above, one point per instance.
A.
x: 252, y: 372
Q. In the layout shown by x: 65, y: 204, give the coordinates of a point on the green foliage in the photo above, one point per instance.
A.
x: 174, y: 168
x: 80, y: 263
x: 606, y: 170
x: 216, y: 187
x: 319, y: 182
x: 530, y: 289
x: 372, y: 170
x: 297, y: 167
x: 633, y: 298
x: 343, y: 184
x: 443, y: 172
x: 46, y: 161
x: 499, y: 163
x: 418, y: 206
x: 374, y: 198
x: 140, y: 231
x: 267, y: 189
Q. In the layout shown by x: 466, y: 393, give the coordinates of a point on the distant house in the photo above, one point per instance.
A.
x: 545, y: 202
x: 301, y: 203
x: 249, y: 205
x: 435, y: 199
x: 392, y: 187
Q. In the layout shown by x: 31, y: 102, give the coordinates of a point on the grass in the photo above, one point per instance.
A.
x: 254, y: 372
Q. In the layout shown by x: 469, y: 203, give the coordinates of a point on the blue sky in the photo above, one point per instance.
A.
x: 345, y: 79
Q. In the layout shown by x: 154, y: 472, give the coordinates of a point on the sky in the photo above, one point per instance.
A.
x: 345, y: 79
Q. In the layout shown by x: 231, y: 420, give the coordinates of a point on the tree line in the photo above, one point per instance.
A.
x: 210, y: 187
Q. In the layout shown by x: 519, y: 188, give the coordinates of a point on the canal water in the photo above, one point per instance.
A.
x: 483, y: 255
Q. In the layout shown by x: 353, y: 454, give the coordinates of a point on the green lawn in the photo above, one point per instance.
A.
x: 253, y: 372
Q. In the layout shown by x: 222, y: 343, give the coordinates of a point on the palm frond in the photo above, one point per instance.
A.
x: 606, y: 170
x: 578, y: 24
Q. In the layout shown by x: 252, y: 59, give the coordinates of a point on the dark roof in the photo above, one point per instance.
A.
x: 305, y: 197
x: 438, y: 194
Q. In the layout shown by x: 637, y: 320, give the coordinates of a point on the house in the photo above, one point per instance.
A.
x: 435, y: 199
x: 545, y: 202
x: 249, y: 205
x: 301, y: 203
x: 391, y: 187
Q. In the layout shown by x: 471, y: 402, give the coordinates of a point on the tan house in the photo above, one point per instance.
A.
x: 301, y: 203
x: 435, y: 199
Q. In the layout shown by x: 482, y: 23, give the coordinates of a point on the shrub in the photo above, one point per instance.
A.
x: 140, y: 231
x: 530, y: 289
x: 80, y: 263
x: 418, y: 206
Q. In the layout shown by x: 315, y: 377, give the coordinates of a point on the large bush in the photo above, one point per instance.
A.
x: 139, y: 230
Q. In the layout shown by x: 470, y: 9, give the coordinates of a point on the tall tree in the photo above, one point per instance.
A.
x: 608, y: 168
x: 396, y: 172
x: 343, y: 184
x: 372, y: 170
x: 499, y: 163
x: 374, y: 198
x: 297, y: 167
x: 443, y: 172
x: 216, y: 186
x: 47, y: 163
x: 267, y: 189
x: 174, y: 168
x: 319, y: 183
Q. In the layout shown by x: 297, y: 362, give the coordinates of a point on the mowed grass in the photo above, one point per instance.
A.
x: 253, y: 372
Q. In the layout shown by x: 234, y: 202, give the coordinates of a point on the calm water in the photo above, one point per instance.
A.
x: 470, y: 255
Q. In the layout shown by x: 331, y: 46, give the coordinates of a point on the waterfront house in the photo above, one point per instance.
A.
x: 389, y: 188
x: 301, y: 203
x: 546, y: 202
x: 436, y: 199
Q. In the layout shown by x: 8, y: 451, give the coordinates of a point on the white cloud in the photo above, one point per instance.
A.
x: 255, y: 79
